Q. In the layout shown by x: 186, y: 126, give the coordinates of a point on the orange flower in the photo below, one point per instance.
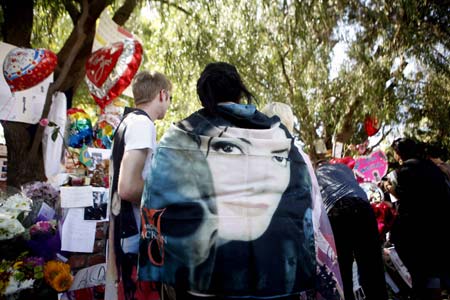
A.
x: 53, y: 268
x: 62, y: 282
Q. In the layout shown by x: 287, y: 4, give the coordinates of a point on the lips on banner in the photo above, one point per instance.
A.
x: 24, y: 68
x: 372, y: 167
x: 109, y: 70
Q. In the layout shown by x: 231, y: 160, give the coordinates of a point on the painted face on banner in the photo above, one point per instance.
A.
x: 249, y: 178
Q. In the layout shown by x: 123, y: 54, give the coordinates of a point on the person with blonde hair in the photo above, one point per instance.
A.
x: 283, y: 111
x: 134, y: 143
x: 372, y: 277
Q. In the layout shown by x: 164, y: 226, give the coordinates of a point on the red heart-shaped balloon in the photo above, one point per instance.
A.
x: 347, y: 160
x: 24, y: 68
x: 109, y: 70
x: 371, y: 125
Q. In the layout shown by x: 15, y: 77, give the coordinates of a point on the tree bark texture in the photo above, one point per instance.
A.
x: 21, y: 166
x: 25, y: 165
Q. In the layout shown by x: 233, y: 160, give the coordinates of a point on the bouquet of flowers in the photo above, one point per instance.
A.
x: 13, y: 209
x: 44, y: 240
x: 31, y: 278
x: 20, y: 274
x: 40, y: 193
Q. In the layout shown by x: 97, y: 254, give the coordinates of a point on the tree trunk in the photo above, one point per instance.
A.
x: 22, y: 167
x: 345, y: 126
x: 77, y: 69
x: 18, y: 22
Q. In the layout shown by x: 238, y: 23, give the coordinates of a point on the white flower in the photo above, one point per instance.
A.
x: 9, y: 227
x: 15, y: 286
x: 15, y: 205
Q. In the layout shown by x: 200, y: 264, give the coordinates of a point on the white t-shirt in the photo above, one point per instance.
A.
x: 140, y: 134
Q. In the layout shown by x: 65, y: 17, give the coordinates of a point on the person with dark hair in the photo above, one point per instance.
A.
x: 355, y: 230
x: 405, y: 148
x: 434, y: 153
x: 219, y: 83
x: 228, y: 211
x: 418, y: 232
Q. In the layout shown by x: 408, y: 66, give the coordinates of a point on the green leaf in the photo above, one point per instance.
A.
x: 52, y: 124
x: 55, y: 134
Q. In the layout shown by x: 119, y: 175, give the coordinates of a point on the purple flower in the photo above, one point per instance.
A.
x: 41, y: 191
x: 34, y: 261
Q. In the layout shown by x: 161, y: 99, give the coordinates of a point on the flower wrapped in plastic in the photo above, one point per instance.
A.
x: 42, y: 194
x: 14, y: 207
x: 44, y: 239
x: 41, y: 191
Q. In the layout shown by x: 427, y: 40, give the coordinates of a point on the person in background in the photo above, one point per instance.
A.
x: 419, y: 232
x: 132, y: 151
x: 355, y: 230
x: 434, y: 153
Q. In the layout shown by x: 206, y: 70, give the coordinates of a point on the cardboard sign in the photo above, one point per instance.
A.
x: 89, y: 277
x: 372, y: 167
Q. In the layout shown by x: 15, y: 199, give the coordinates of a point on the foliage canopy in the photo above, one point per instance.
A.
x: 334, y: 61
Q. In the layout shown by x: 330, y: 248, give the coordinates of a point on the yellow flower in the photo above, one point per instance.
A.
x: 17, y: 265
x: 3, y: 286
x: 62, y: 282
x: 53, y: 268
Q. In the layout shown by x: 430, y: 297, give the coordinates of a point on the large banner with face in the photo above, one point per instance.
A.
x: 228, y: 211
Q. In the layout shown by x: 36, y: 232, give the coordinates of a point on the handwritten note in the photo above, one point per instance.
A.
x: 76, y: 196
x: 89, y: 277
x: 78, y: 235
x: 109, y: 32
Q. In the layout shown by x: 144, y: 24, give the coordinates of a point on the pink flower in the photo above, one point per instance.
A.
x: 43, y: 227
x: 43, y: 122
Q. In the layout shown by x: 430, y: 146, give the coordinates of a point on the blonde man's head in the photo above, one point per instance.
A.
x: 283, y: 111
x: 147, y: 85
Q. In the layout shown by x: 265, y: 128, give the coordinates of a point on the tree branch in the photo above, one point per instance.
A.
x: 173, y: 4
x: 282, y: 58
x: 73, y: 11
x: 124, y: 12
x: 55, y: 86
x: 344, y: 131
x: 285, y: 74
x: 383, y: 136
